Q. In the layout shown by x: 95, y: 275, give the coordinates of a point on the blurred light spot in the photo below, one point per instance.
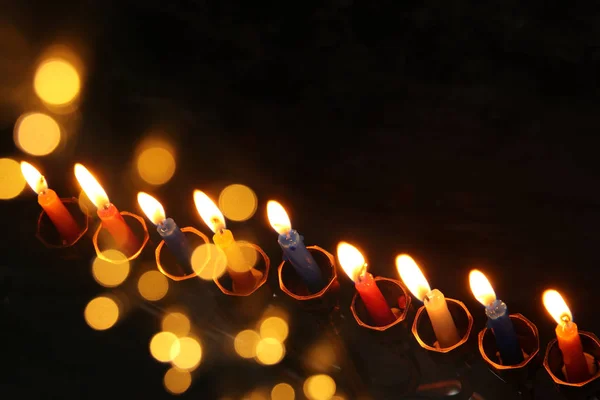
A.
x: 189, y: 355
x: 56, y: 81
x: 250, y: 254
x: 108, y: 274
x: 208, y: 261
x: 12, y: 181
x: 283, y: 391
x: 270, y: 351
x: 37, y: 134
x: 275, y: 328
x: 245, y: 343
x: 176, y: 323
x: 177, y: 381
x: 101, y: 313
x: 156, y: 165
x: 338, y: 397
x: 319, y: 387
x: 164, y: 346
x: 153, y: 285
x: 85, y: 204
x: 257, y: 394
x: 238, y: 202
x: 320, y: 357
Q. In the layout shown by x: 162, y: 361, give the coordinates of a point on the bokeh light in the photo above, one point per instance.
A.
x: 12, y: 181
x: 275, y: 328
x: 249, y: 252
x: 177, y: 381
x: 209, y: 261
x: 238, y: 202
x: 153, y: 285
x: 36, y: 134
x: 176, y: 323
x: 189, y: 355
x: 283, y: 391
x: 156, y: 165
x: 257, y: 394
x: 164, y: 346
x: 319, y: 387
x: 101, y: 313
x: 56, y: 81
x: 110, y: 274
x: 245, y: 343
x: 320, y: 357
x: 269, y: 351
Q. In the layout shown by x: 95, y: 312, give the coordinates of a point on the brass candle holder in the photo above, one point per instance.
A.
x: 167, y: 263
x: 529, y: 341
x: 260, y: 272
x: 46, y: 231
x: 293, y: 286
x: 139, y: 229
x: 423, y: 331
x: 553, y: 363
x: 397, y: 297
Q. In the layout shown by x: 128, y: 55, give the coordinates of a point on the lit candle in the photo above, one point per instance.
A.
x: 568, y: 337
x: 167, y: 229
x: 238, y: 268
x: 293, y: 247
x: 498, y: 319
x: 111, y: 219
x: 353, y: 263
x: 55, y: 209
x: 434, y: 300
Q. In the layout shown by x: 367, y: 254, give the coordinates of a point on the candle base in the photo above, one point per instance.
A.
x: 423, y: 331
x: 397, y: 297
x: 293, y: 286
x: 529, y: 342
x: 167, y: 263
x: 553, y: 363
x: 103, y: 240
x: 260, y: 272
x: 47, y: 233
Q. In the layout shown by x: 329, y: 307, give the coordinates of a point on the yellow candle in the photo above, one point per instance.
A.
x: 435, y: 303
x: 238, y: 268
x: 567, y: 335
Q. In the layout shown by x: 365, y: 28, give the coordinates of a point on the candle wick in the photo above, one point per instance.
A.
x: 565, y: 319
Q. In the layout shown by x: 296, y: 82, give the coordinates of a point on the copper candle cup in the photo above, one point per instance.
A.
x: 553, y: 363
x: 260, y: 272
x: 423, y: 331
x: 397, y: 297
x: 166, y: 262
x: 46, y: 231
x: 293, y: 286
x: 139, y: 229
x: 529, y: 341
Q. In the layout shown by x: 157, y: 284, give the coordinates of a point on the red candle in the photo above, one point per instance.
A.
x: 111, y: 218
x: 55, y: 209
x: 353, y: 263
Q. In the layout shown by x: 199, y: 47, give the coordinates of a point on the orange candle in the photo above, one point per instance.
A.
x: 567, y: 335
x: 55, y: 209
x: 238, y: 268
x: 111, y: 218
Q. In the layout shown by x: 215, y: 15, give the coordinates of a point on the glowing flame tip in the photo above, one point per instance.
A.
x: 481, y: 288
x: 151, y: 207
x: 278, y: 217
x: 412, y: 276
x: 34, y: 178
x: 351, y: 260
x: 209, y: 212
x: 91, y: 187
x: 556, y: 306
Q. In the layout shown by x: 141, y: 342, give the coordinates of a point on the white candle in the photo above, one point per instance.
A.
x: 435, y: 303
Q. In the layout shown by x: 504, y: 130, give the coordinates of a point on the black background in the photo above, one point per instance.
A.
x: 463, y: 133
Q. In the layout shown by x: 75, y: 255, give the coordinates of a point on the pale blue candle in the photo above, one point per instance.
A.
x: 303, y: 262
x: 176, y: 242
x: 504, y: 331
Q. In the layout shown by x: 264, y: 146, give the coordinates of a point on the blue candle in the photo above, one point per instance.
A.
x: 499, y: 321
x: 293, y: 248
x: 168, y: 230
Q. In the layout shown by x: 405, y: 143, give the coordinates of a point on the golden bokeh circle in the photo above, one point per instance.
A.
x: 319, y: 387
x: 56, y: 81
x: 189, y: 355
x: 270, y: 351
x: 283, y: 391
x: 37, y: 134
x: 245, y: 343
x: 176, y: 323
x: 156, y: 165
x: 153, y: 285
x: 177, y: 381
x: 274, y: 327
x: 111, y: 274
x: 12, y: 181
x: 209, y: 261
x: 101, y: 313
x: 164, y: 346
x: 238, y: 202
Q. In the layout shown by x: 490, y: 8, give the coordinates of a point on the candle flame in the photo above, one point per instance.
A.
x: 412, y: 276
x: 351, y: 260
x: 33, y: 177
x: 91, y: 187
x: 151, y: 207
x: 481, y: 288
x: 209, y: 212
x: 557, y: 307
x: 278, y: 218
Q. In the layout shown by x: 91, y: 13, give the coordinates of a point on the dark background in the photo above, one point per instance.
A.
x: 463, y: 133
